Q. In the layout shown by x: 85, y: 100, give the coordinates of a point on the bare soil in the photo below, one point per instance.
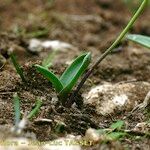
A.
x: 98, y: 25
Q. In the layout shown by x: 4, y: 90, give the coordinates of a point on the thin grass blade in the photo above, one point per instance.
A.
x: 47, y: 62
x: 35, y: 110
x: 16, y: 102
x: 17, y: 66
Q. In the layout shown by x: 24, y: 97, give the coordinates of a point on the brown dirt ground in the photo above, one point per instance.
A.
x: 128, y: 63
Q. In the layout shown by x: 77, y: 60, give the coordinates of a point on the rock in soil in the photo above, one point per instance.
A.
x: 114, y: 98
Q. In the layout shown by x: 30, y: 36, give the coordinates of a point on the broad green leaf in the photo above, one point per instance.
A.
x: 73, y: 72
x: 140, y: 39
x: 51, y: 77
x: 117, y: 125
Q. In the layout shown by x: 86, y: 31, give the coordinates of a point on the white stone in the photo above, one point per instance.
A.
x: 36, y: 45
x: 111, y: 98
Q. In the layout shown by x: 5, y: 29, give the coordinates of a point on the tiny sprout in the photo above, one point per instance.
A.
x: 47, y: 62
x: 20, y: 124
x: 35, y: 110
x: 17, y: 66
x: 69, y: 78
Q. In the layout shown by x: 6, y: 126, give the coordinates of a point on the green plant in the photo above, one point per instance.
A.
x: 33, y: 112
x: 109, y: 50
x: 140, y: 39
x: 47, y: 62
x: 68, y: 79
x: 20, y: 124
x: 16, y: 108
x: 17, y: 66
x: 117, y: 131
x: 114, y: 132
x: 117, y: 125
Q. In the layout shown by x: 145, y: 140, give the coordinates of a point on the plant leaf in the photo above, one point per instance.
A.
x: 16, y: 108
x: 73, y: 72
x: 35, y: 110
x: 140, y: 39
x: 47, y: 62
x: 17, y: 66
x: 113, y: 136
x: 117, y: 125
x: 51, y: 77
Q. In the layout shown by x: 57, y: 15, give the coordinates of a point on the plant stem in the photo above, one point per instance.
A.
x: 109, y: 50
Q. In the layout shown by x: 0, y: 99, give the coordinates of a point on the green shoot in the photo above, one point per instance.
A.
x: 16, y: 109
x: 47, y: 62
x: 117, y: 131
x: 117, y: 125
x: 17, y: 66
x: 114, y: 132
x: 36, y: 34
x: 20, y: 124
x: 69, y: 78
x: 113, y: 136
x: 110, y: 49
x: 140, y: 39
x: 35, y: 110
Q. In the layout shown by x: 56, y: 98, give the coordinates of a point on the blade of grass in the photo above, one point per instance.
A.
x: 117, y: 125
x: 37, y: 34
x: 47, y: 62
x: 35, y: 110
x: 16, y: 102
x: 17, y: 66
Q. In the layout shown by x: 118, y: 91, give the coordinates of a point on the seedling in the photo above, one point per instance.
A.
x: 113, y: 133
x: 65, y: 83
x: 140, y: 39
x: 35, y: 110
x: 17, y: 66
x: 117, y: 132
x: 109, y: 50
x: 69, y: 78
x: 20, y: 124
